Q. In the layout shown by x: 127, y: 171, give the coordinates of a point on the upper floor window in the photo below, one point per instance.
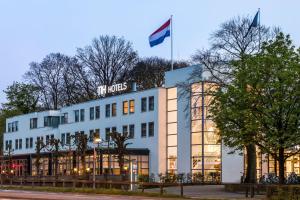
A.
x: 143, y: 129
x: 33, y: 123
x: 68, y: 138
x: 51, y: 121
x: 20, y: 143
x: 131, y: 130
x: 63, y: 139
x: 151, y: 129
x: 114, y: 109
x: 131, y: 106
x: 125, y: 107
x: 144, y: 104
x: 97, y: 112
x: 107, y: 110
x: 151, y: 103
x: 13, y: 126
x: 92, y: 113
x: 64, y: 118
x: 81, y: 115
x: 27, y: 143
x: 76, y: 114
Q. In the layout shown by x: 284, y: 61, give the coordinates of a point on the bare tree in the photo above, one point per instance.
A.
x: 108, y: 59
x: 48, y: 76
x: 81, y: 144
x: 39, y: 146
x: 150, y: 72
x: 121, y: 143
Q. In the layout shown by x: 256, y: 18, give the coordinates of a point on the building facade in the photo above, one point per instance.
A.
x: 170, y: 129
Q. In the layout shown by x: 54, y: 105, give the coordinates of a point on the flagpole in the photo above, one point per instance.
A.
x: 172, y: 42
x: 259, y: 35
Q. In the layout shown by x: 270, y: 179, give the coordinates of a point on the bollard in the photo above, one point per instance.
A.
x: 181, y: 189
x: 161, y: 189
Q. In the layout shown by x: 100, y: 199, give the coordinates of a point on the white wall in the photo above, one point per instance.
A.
x: 232, y: 166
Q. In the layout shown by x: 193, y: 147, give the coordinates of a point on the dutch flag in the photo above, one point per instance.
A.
x: 160, y: 34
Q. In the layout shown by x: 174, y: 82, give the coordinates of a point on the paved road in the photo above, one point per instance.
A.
x: 32, y: 195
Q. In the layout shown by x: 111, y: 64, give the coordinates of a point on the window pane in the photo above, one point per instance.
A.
x: 212, y: 150
x: 196, y: 162
x: 125, y: 107
x: 151, y: 103
x: 211, y: 138
x: 196, y: 126
x: 172, y: 116
x: 144, y: 105
x: 196, y: 113
x: 172, y: 140
x: 210, y: 87
x: 196, y: 150
x: 172, y: 128
x: 172, y: 164
x: 209, y: 125
x: 196, y: 101
x: 131, y: 104
x: 172, y: 93
x: 212, y: 163
x: 172, y: 152
x: 172, y: 104
x: 207, y: 100
x: 196, y: 138
x: 114, y: 109
x: 196, y: 88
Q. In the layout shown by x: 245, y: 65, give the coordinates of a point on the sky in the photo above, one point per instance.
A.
x: 31, y: 29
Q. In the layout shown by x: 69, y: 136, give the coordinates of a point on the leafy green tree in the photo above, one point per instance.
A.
x: 265, y: 93
x: 22, y: 97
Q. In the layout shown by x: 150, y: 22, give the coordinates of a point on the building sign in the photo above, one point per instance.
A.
x: 119, y: 87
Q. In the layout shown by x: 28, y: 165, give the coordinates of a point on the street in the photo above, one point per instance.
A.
x: 26, y: 195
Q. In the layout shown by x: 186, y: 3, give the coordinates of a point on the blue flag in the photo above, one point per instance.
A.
x: 254, y: 23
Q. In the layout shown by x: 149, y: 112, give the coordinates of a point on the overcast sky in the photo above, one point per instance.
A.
x: 31, y: 29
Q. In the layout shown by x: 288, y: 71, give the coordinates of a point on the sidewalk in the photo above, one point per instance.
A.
x: 205, y: 192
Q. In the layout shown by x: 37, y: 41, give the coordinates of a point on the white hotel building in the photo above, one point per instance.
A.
x: 170, y: 133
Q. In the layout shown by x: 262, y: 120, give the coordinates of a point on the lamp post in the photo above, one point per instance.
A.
x: 96, y: 141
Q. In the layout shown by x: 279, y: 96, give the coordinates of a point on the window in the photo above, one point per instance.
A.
x: 27, y: 143
x: 131, y: 130
x: 151, y: 103
x: 31, y: 142
x: 68, y: 138
x: 107, y: 131
x: 63, y: 139
x: 51, y: 121
x: 16, y: 126
x: 125, y: 107
x: 16, y: 144
x: 9, y: 127
x: 92, y: 113
x: 64, y: 118
x: 97, y: 108
x: 114, y: 129
x: 76, y: 113
x: 131, y: 106
x: 20, y: 143
x: 151, y: 129
x: 81, y: 115
x: 125, y: 130
x: 107, y: 110
x: 47, y: 139
x: 144, y: 105
x: 143, y: 129
x: 6, y: 145
x: 91, y: 136
x: 33, y: 123
x: 114, y: 109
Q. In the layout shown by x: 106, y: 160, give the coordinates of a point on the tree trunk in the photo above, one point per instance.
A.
x: 281, y: 165
x: 251, y: 164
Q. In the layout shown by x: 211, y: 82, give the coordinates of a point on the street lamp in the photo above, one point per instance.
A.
x: 96, y: 141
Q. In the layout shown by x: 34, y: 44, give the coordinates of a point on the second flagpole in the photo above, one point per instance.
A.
x: 172, y: 42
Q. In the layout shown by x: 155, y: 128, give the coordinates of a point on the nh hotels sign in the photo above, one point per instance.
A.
x: 118, y: 87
